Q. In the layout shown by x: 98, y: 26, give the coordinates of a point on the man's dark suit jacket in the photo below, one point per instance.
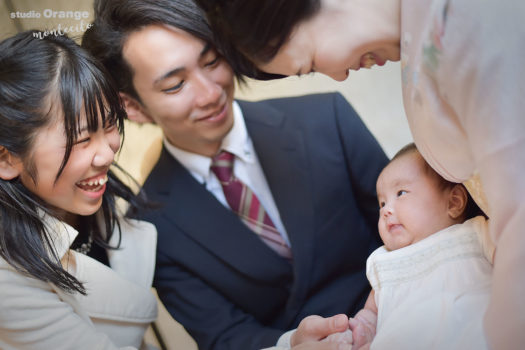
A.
x: 227, y: 287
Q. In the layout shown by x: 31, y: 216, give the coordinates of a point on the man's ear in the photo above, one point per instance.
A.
x: 134, y: 109
x: 457, y: 201
x: 10, y: 165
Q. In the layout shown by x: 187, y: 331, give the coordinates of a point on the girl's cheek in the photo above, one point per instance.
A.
x: 114, y: 140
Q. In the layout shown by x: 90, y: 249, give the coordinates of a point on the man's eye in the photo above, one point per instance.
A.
x: 174, y: 88
x: 401, y: 192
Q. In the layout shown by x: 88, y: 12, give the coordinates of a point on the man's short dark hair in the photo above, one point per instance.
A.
x: 115, y: 20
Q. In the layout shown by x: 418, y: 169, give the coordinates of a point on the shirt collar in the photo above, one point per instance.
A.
x: 62, y: 234
x: 236, y: 142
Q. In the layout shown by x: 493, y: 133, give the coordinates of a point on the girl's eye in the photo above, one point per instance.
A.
x: 110, y: 127
x: 381, y: 205
x: 83, y: 140
x: 401, y: 192
x: 174, y: 88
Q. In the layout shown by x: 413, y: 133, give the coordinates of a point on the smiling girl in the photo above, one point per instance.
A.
x: 64, y: 283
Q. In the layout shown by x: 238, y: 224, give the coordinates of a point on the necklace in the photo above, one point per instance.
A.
x: 86, y: 246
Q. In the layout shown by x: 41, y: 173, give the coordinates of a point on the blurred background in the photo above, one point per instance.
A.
x: 374, y: 93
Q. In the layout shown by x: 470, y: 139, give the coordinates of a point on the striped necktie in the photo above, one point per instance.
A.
x: 246, y: 205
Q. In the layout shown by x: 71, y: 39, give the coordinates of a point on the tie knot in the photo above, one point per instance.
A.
x: 222, y: 166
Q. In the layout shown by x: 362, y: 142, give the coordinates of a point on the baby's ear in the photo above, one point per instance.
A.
x: 457, y: 201
x: 10, y: 165
x: 134, y: 109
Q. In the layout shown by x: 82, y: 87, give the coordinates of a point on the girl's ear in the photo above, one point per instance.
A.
x: 457, y: 201
x: 134, y: 109
x: 10, y: 165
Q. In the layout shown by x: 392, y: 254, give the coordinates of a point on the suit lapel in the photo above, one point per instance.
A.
x: 281, y: 151
x: 200, y: 216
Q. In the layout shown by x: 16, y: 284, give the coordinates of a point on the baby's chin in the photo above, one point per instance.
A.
x: 392, y: 245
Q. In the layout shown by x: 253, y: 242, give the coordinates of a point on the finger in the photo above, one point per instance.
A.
x: 338, y: 323
x: 318, y: 327
x: 314, y: 328
x: 322, y: 346
x: 352, y: 323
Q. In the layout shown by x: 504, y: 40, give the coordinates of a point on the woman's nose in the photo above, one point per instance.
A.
x: 338, y: 76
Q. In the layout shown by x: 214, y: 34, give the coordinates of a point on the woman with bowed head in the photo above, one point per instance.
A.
x: 463, y: 87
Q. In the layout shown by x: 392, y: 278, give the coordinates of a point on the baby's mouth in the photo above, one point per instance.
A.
x: 393, y: 227
x: 93, y: 185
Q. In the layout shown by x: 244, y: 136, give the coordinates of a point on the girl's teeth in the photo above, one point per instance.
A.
x: 98, y: 182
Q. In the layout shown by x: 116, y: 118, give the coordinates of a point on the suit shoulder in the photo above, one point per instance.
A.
x: 162, y: 169
x: 309, y: 99
x: 299, y: 109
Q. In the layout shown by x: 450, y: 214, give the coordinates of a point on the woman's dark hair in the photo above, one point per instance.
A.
x: 115, y: 20
x: 471, y: 209
x: 42, y: 80
x: 246, y: 31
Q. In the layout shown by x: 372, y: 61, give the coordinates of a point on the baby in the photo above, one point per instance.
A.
x: 431, y: 279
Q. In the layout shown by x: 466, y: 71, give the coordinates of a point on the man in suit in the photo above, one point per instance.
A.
x: 308, y: 164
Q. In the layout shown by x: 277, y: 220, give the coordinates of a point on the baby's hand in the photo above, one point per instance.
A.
x: 341, y: 337
x: 363, y: 327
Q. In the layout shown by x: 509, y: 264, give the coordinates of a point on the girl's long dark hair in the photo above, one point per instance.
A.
x: 36, y: 76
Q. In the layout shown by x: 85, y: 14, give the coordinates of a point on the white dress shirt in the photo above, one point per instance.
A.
x: 246, y: 168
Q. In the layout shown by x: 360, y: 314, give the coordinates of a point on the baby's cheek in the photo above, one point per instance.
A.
x: 381, y: 226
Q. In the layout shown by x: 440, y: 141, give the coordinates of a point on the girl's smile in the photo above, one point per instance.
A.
x: 93, y: 154
x: 94, y: 186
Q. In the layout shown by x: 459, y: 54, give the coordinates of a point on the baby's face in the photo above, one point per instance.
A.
x: 412, y: 206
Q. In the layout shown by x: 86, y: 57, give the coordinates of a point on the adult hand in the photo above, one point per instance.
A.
x: 314, y: 328
x: 343, y: 337
x: 322, y: 346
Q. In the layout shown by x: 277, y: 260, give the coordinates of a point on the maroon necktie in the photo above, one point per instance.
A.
x: 246, y: 205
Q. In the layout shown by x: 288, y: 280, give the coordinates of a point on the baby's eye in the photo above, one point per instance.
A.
x: 401, y: 192
x: 381, y: 205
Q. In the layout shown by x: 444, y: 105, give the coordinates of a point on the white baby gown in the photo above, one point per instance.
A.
x: 433, y: 294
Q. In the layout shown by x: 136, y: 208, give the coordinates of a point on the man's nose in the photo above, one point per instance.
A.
x: 208, y: 91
